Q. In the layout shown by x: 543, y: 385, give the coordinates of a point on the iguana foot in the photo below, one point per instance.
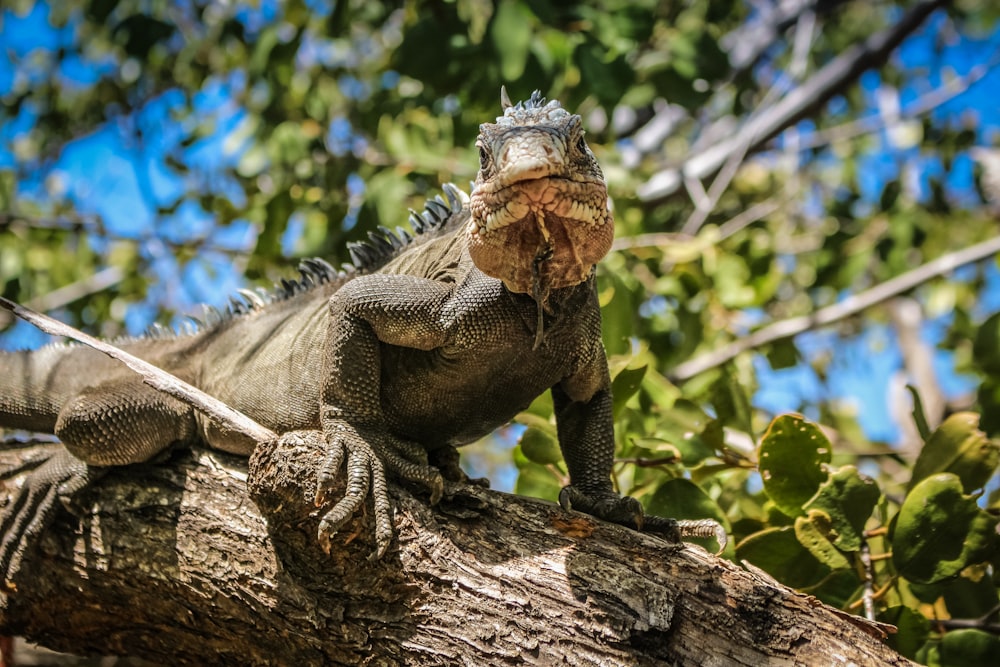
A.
x: 627, y: 511
x: 56, y: 477
x: 606, y: 505
x: 369, y: 454
x: 624, y: 510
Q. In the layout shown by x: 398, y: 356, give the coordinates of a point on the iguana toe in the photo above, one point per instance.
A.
x: 360, y: 471
x: 370, y: 455
x: 624, y: 510
x: 606, y: 505
x: 627, y: 511
x: 446, y: 459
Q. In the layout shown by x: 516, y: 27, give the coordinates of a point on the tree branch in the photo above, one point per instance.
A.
x: 747, y: 44
x: 922, y: 105
x: 175, y: 564
x: 767, y: 123
x: 839, y: 311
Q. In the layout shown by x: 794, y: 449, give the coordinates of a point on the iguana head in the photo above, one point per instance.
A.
x: 540, y: 218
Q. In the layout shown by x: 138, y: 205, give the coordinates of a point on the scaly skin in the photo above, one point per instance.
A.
x: 427, y: 344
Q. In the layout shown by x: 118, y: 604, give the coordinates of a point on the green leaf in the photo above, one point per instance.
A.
x: 912, y: 629
x: 779, y: 553
x: 958, y: 447
x: 690, y: 432
x: 919, y: 418
x: 511, y: 34
x: 970, y: 648
x: 783, y: 354
x: 533, y: 479
x: 986, y: 347
x: 971, y: 595
x: 680, y: 498
x: 792, y: 458
x: 731, y: 401
x: 540, y: 407
x: 813, y: 532
x: 847, y: 498
x: 988, y: 397
x: 939, y: 531
x: 624, y: 386
x: 539, y: 446
x: 609, y: 77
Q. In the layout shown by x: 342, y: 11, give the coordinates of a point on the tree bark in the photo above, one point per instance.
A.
x: 176, y: 564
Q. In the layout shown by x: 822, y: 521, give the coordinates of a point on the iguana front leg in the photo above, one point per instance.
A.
x: 583, y: 407
x: 393, y: 309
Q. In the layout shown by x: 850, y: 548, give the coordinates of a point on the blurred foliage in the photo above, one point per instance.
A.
x: 349, y: 115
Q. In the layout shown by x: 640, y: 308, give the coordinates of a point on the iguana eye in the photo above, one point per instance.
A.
x: 484, y: 158
x: 581, y: 144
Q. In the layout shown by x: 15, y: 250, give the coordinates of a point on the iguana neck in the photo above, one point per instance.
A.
x: 541, y: 314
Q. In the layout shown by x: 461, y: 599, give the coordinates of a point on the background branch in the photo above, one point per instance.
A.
x: 839, y: 311
x: 220, y: 413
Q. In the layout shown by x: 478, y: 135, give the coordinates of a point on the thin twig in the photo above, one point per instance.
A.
x: 92, y: 284
x: 758, y: 211
x: 833, y: 78
x: 851, y: 306
x: 981, y: 623
x: 868, y: 594
x: 919, y: 107
x: 735, y: 224
x: 220, y: 413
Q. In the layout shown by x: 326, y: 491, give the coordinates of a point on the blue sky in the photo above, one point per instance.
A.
x: 109, y: 175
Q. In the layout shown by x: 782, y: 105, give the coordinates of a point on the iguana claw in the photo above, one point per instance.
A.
x: 608, y: 505
x: 369, y: 453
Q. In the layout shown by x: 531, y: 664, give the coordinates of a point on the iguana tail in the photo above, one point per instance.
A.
x: 30, y: 395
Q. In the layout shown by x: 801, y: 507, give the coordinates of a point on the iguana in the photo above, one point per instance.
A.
x: 429, y: 341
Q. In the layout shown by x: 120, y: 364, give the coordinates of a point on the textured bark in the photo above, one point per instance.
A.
x: 175, y: 563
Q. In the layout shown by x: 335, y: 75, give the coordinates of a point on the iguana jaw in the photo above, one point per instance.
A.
x: 547, y: 231
x: 540, y: 218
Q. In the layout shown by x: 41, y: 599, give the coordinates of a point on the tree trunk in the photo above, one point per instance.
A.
x: 176, y: 564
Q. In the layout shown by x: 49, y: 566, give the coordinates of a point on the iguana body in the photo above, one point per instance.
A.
x: 428, y: 343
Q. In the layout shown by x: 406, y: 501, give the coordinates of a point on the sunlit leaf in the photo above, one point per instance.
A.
x: 940, y: 531
x: 814, y: 533
x: 539, y: 446
x: 779, y: 553
x: 847, y: 500
x: 958, y: 447
x: 792, y: 458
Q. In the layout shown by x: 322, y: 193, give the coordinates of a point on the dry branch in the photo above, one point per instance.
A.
x: 220, y: 413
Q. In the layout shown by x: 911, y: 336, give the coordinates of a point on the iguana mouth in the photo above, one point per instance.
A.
x: 540, y: 234
x: 584, y: 202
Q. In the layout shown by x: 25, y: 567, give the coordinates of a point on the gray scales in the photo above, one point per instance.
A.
x: 490, y: 303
